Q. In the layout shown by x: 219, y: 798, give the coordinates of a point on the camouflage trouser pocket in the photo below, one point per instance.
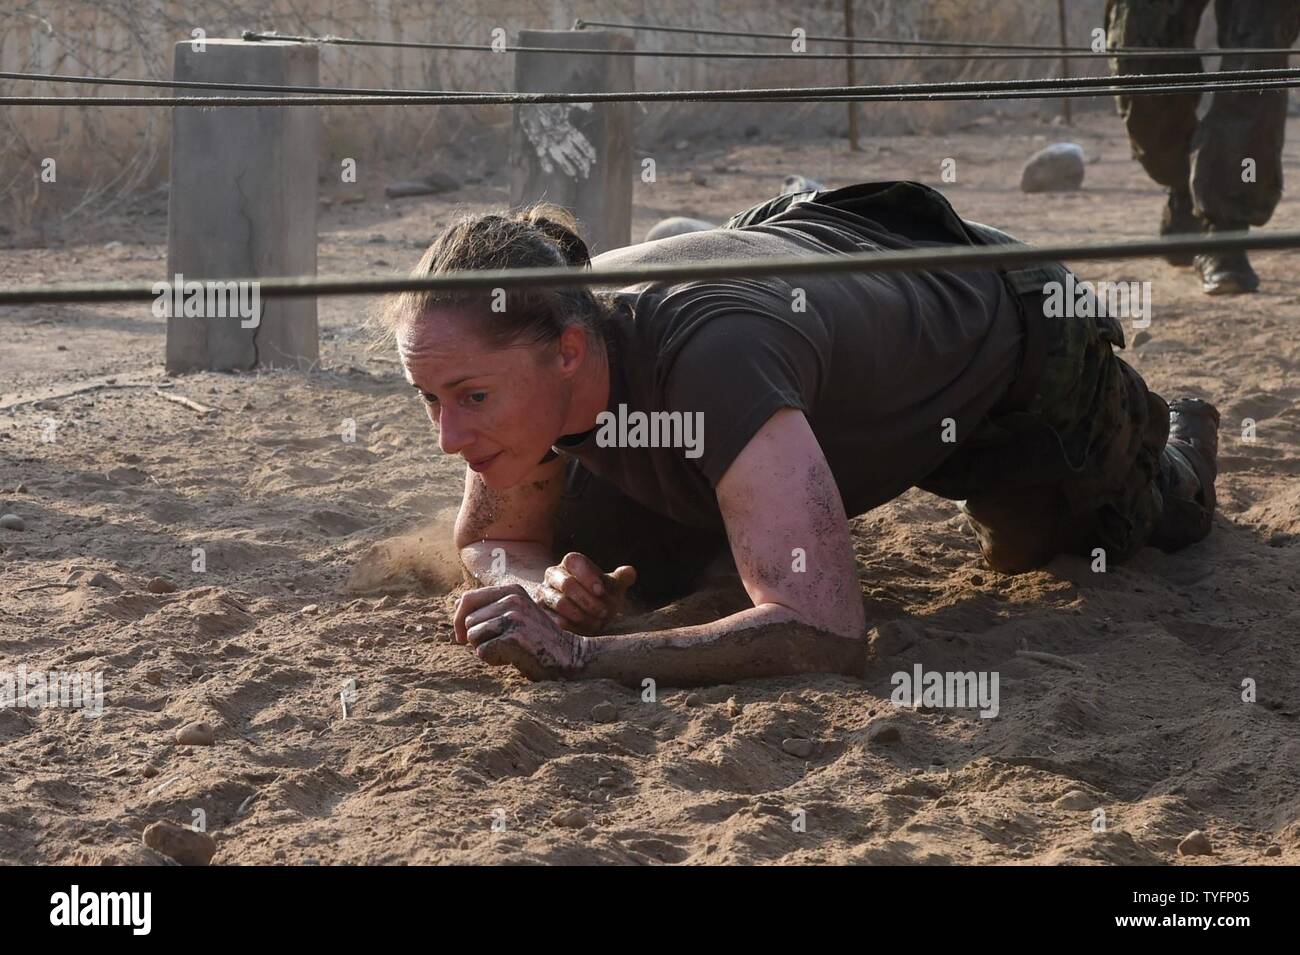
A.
x: 1077, y: 470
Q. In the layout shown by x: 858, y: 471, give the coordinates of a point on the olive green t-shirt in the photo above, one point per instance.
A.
x: 892, y: 370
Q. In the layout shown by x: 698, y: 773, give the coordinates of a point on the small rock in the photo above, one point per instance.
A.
x: 60, y: 347
x: 309, y: 609
x: 180, y: 843
x: 694, y: 699
x: 377, y: 239
x: 1195, y: 844
x: 196, y: 734
x: 733, y: 708
x: 149, y: 772
x: 607, y: 781
x: 792, y: 185
x: 699, y: 179
x: 154, y: 676
x: 570, y: 819
x: 103, y: 582
x: 884, y: 732
x: 385, y: 602
x: 131, y: 476
x: 1055, y: 168
x: 676, y: 225
x: 13, y: 522
x: 1272, y: 851
x: 196, y: 670
x: 797, y: 747
x: 1075, y: 799
x: 604, y: 712
x: 1141, y: 338
x: 681, y: 144
x: 977, y: 580
x: 160, y: 585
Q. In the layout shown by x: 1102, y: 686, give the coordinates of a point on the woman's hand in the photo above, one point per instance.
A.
x: 503, y: 625
x: 581, y: 598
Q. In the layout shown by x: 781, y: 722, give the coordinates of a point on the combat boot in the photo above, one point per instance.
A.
x: 1188, y: 467
x: 1226, y: 273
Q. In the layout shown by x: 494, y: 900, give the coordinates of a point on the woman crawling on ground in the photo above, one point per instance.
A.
x: 629, y: 438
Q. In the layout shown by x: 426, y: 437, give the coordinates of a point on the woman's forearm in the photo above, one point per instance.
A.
x: 768, y: 640
x: 492, y: 563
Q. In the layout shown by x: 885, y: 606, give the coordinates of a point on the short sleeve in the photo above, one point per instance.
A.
x: 736, y: 371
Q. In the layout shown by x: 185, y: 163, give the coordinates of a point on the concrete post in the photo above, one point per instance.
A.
x: 243, y: 203
x: 576, y: 155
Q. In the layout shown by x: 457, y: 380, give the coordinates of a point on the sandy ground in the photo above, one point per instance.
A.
x: 325, y: 563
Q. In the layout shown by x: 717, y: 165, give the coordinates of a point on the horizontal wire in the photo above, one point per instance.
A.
x: 211, y: 85
x: 1058, y: 52
x: 1053, y: 85
x: 813, y: 95
x: 906, y: 260
x: 895, y: 41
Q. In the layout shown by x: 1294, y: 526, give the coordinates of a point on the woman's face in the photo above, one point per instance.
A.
x: 500, y: 409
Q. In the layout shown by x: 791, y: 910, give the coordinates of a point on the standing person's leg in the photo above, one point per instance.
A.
x: 1241, y: 127
x: 1160, y: 128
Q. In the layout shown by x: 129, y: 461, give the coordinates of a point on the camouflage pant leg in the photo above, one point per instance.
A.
x: 1178, y: 152
x: 1160, y: 128
x: 1111, y: 431
x: 1241, y: 126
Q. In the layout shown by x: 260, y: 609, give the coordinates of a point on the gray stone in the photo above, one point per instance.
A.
x: 1055, y: 168
x: 796, y: 184
x: 196, y: 734
x: 676, y: 225
x: 604, y: 712
x: 13, y: 522
x: 1196, y: 843
x: 160, y: 585
x: 183, y: 844
x: 570, y: 819
x: 883, y: 731
x: 798, y: 747
x: 1075, y: 800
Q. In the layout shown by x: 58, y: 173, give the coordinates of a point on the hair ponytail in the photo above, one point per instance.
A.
x: 538, y: 236
x: 560, y: 227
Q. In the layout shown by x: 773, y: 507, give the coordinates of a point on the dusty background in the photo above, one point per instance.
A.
x: 1147, y: 723
x: 107, y: 156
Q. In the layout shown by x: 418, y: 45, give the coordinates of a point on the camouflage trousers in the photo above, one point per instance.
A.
x: 1177, y: 150
x: 1082, y: 468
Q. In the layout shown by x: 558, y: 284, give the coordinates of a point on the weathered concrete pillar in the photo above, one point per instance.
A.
x: 576, y: 155
x: 243, y: 203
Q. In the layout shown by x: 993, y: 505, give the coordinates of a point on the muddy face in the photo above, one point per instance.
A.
x: 498, y: 408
